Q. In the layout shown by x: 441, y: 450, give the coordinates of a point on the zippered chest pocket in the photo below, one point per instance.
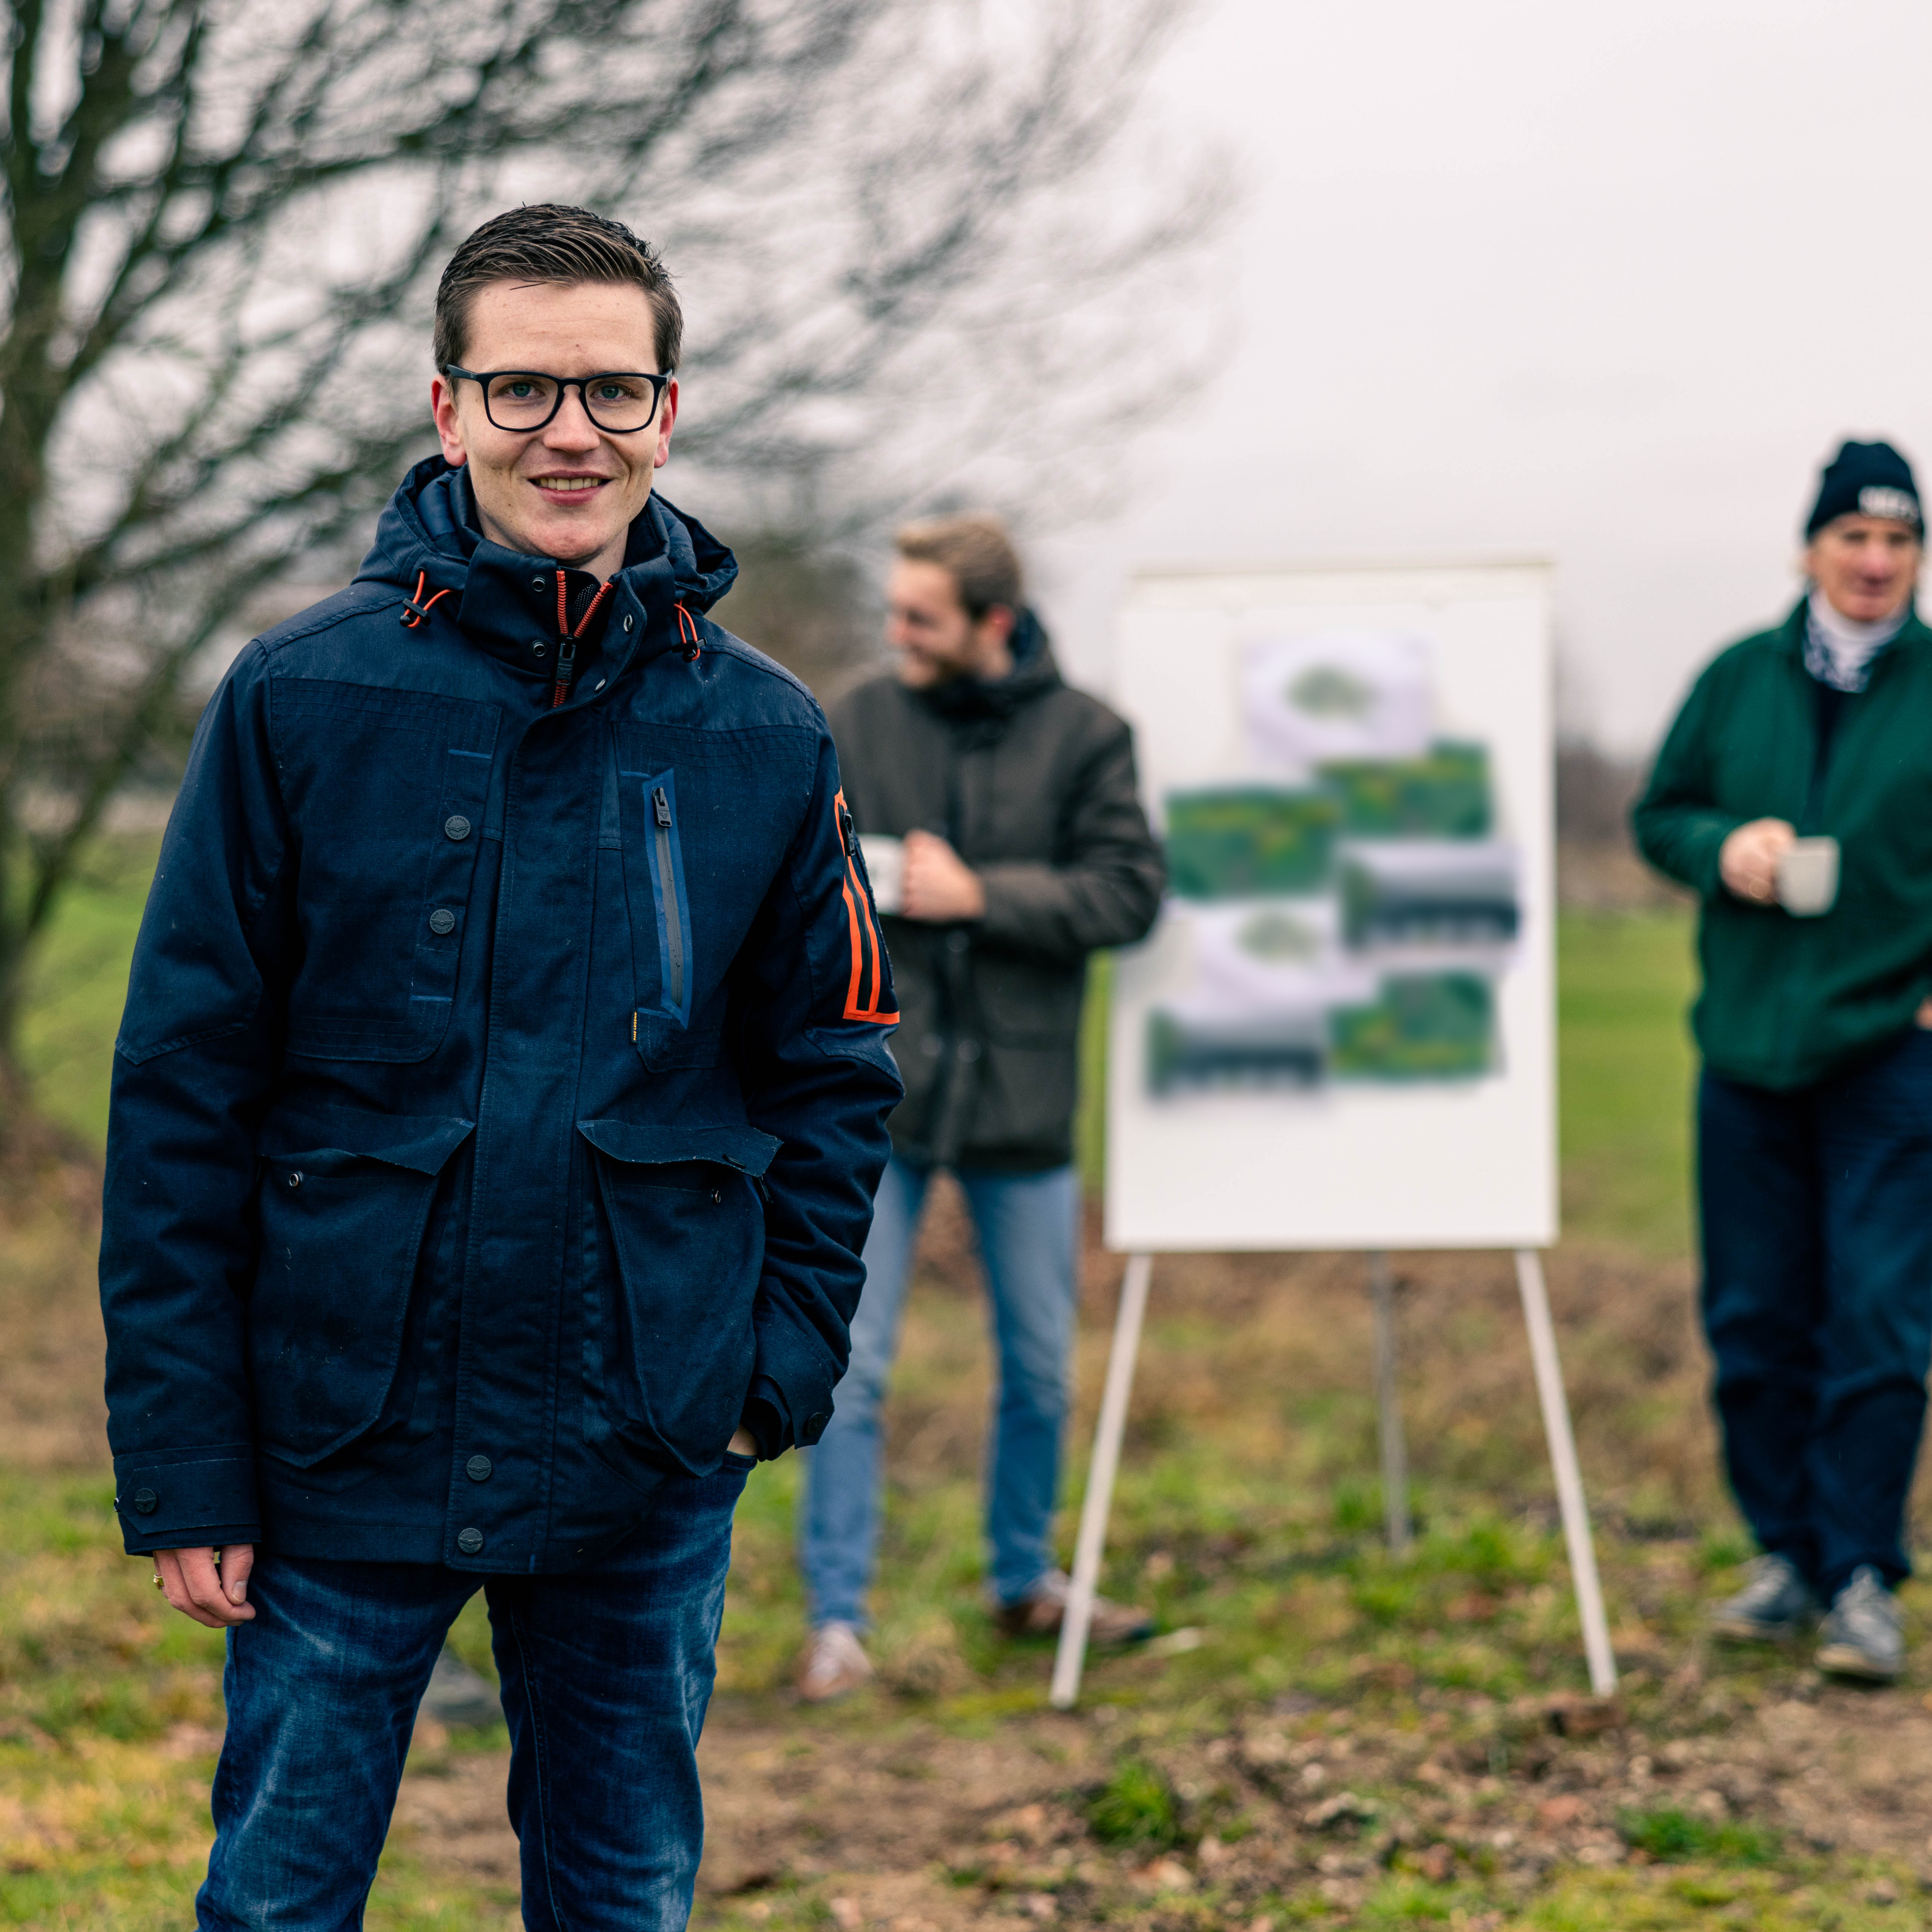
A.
x: 669, y: 900
x: 664, y: 984
x: 700, y: 821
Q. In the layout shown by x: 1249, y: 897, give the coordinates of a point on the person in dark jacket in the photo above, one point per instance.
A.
x: 1794, y: 795
x: 1023, y: 848
x: 496, y: 1113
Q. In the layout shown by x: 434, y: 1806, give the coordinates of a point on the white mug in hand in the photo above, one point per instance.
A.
x: 885, y: 866
x: 1807, y: 877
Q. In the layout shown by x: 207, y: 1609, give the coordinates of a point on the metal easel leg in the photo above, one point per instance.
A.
x: 1388, y: 1408
x: 1071, y: 1657
x: 1569, y: 1475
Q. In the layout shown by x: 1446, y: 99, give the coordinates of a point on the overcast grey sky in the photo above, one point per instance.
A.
x: 1601, y: 282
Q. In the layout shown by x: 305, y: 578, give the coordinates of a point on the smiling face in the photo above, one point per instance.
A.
x: 1867, y: 567
x: 933, y: 633
x: 569, y: 491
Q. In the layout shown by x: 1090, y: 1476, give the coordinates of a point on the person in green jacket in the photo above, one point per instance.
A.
x: 1793, y: 794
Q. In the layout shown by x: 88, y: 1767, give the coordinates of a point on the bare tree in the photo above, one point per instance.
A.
x: 926, y: 252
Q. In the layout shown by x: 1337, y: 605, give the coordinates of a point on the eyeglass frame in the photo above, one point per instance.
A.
x: 483, y: 378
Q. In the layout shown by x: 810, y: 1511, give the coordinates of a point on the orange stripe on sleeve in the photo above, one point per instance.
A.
x: 853, y: 1010
x: 878, y: 949
x: 858, y: 908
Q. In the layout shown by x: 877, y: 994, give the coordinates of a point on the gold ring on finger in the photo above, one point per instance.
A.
x: 159, y: 1584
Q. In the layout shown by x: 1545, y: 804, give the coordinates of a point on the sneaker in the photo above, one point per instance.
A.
x: 1775, y: 1605
x: 835, y: 1662
x: 1042, y: 1611
x: 458, y: 1696
x: 1864, y: 1635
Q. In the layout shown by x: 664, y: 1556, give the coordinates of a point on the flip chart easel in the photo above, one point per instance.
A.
x: 1070, y: 1659
x: 1364, y: 1164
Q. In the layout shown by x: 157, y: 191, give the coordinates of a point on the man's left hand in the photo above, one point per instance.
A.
x: 209, y: 1586
x: 938, y: 886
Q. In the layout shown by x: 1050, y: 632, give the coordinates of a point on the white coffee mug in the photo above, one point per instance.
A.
x: 885, y: 866
x: 1807, y: 877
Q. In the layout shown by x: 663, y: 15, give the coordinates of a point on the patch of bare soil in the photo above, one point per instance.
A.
x: 952, y: 1831
x: 451, y: 1811
x: 917, y: 1828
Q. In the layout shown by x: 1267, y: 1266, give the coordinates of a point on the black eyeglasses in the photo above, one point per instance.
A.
x: 521, y: 399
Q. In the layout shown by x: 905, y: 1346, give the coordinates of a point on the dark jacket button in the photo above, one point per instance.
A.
x: 538, y: 648
x: 957, y: 942
x: 469, y: 1541
x: 145, y: 1502
x: 818, y: 1421
x: 442, y: 920
x: 456, y: 827
x: 969, y: 1049
x: 294, y: 1178
x: 477, y: 1468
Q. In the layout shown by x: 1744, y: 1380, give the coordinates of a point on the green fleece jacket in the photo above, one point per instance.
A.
x: 1789, y: 1001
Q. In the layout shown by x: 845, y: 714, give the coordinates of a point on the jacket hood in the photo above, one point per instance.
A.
x: 1034, y: 671
x: 431, y: 527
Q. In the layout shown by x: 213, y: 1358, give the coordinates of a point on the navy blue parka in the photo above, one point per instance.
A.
x: 503, y: 1084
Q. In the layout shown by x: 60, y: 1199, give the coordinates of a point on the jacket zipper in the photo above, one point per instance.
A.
x: 661, y: 818
x: 566, y: 671
x: 567, y: 639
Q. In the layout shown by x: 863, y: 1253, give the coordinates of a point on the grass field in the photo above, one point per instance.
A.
x: 1624, y: 983
x: 1321, y: 1736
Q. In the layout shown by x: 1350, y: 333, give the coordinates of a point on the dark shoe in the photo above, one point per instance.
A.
x: 1775, y: 1606
x: 1865, y: 1635
x: 458, y: 1696
x: 1042, y: 1611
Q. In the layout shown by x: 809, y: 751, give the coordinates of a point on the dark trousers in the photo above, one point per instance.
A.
x: 1817, y: 1226
x: 605, y: 1674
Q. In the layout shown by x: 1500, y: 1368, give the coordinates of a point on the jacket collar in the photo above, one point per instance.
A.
x: 1914, y: 633
x: 504, y: 602
x: 1033, y: 672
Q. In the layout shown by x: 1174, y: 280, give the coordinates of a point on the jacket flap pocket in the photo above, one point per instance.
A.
x: 401, y: 1140
x: 745, y: 1148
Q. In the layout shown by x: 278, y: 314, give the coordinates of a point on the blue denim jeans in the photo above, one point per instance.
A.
x: 1817, y: 1227
x: 605, y: 1677
x: 1028, y: 1226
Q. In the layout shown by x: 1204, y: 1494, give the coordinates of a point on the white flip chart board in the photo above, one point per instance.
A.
x: 1340, y: 1034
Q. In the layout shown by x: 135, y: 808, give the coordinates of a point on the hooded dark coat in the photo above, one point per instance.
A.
x: 502, y: 1085
x: 1032, y: 782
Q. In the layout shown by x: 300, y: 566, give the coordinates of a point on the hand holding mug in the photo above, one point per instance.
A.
x: 1748, y: 859
x: 937, y: 884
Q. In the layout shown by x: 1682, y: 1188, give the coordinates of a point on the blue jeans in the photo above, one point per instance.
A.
x: 1817, y: 1228
x: 605, y: 1676
x: 1028, y: 1226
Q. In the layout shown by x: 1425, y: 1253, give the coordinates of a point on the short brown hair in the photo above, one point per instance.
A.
x: 548, y: 242
x: 976, y: 550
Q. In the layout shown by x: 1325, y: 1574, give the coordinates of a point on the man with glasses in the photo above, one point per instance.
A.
x: 497, y: 1110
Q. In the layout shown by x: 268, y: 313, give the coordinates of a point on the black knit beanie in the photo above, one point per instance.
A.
x: 1866, y: 479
